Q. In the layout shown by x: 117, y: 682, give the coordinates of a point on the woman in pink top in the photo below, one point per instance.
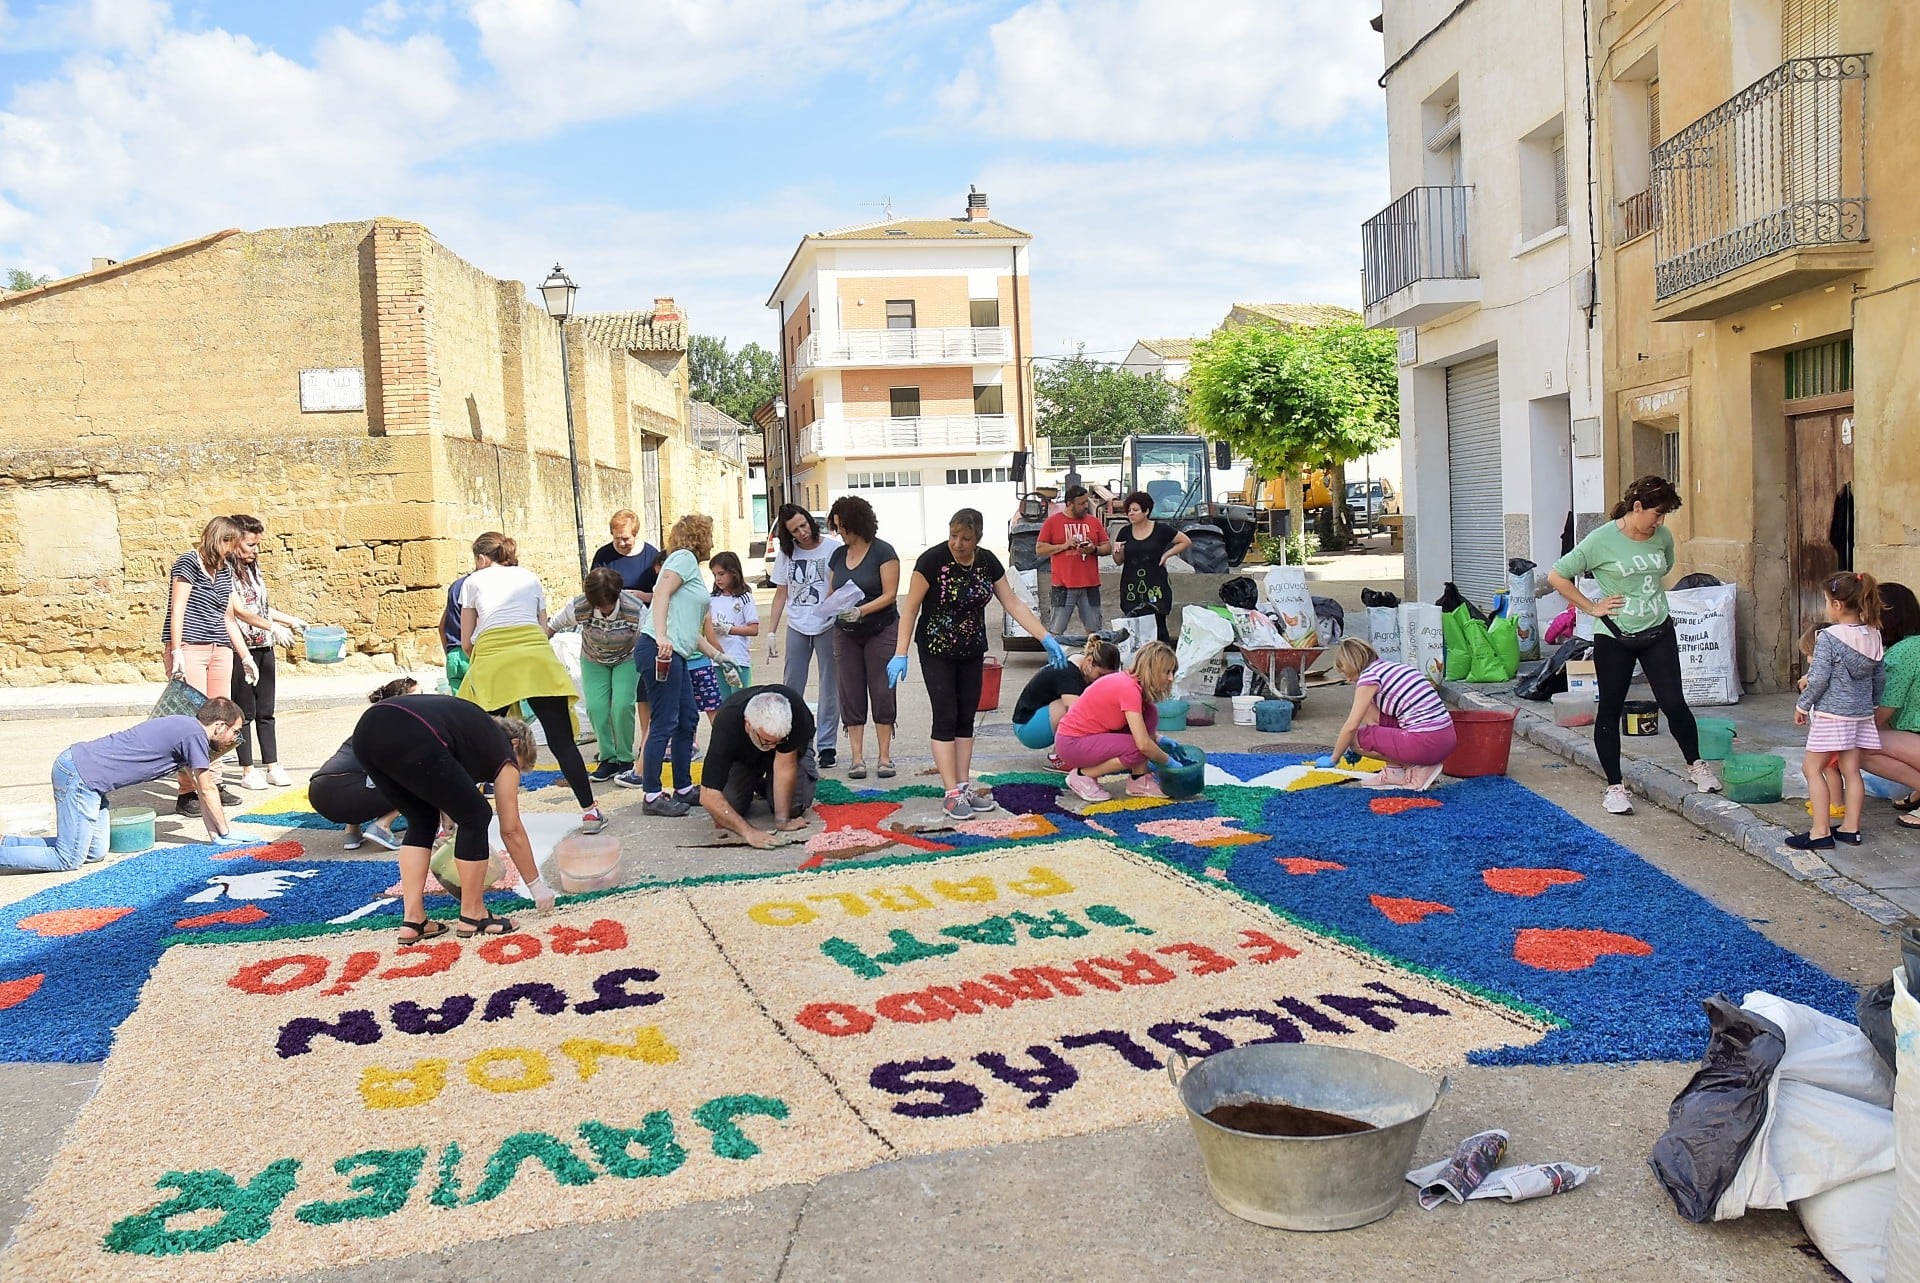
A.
x: 1397, y: 716
x: 1112, y: 727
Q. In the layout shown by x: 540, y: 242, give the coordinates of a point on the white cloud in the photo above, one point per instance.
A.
x: 1156, y: 72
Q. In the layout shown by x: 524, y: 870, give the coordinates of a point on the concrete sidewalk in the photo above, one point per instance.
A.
x: 301, y: 689
x: 1881, y: 878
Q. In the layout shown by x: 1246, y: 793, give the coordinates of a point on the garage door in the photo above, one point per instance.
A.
x: 901, y: 511
x: 1475, y: 508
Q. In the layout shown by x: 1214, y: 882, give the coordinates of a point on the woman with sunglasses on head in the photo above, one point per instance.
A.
x: 801, y: 575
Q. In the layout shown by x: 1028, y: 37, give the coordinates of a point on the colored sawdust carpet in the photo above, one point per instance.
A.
x: 344, y: 1100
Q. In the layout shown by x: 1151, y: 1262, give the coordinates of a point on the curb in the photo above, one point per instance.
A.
x: 1709, y: 812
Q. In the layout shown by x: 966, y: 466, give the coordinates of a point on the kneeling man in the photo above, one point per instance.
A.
x: 761, y: 749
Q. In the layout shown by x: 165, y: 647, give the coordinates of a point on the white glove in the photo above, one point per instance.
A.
x: 281, y: 635
x: 773, y: 647
x: 294, y: 622
x: 179, y: 668
x: 250, y: 670
x: 851, y: 615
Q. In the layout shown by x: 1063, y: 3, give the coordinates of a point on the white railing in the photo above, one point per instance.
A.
x: 923, y: 434
x: 1085, y: 454
x: 961, y: 345
x: 725, y: 442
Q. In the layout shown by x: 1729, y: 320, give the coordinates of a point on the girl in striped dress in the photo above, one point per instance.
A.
x: 1397, y: 717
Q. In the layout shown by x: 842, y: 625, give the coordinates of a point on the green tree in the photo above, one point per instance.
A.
x: 1295, y: 399
x: 1078, y: 400
x: 20, y: 279
x: 734, y: 381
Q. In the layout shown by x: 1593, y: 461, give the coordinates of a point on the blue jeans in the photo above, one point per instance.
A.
x: 82, y: 827
x: 675, y: 717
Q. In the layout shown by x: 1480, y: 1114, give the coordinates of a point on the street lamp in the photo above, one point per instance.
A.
x: 558, y: 290
x: 786, y: 455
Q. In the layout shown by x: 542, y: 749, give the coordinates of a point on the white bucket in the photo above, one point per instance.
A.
x: 1243, y: 709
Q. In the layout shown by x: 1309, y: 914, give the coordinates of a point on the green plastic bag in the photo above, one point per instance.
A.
x: 1483, y: 664
x: 1453, y: 629
x: 1506, y: 644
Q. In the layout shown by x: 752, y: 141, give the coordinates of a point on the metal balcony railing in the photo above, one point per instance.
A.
x: 1781, y: 165
x: 953, y: 345
x: 1635, y: 217
x: 923, y: 434
x: 1420, y: 237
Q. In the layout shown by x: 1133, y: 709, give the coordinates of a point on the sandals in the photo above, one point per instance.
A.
x: 1908, y: 803
x: 487, y: 926
x: 1908, y: 822
x: 885, y: 770
x: 431, y: 929
x: 858, y: 771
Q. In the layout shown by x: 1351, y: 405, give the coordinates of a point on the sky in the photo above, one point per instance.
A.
x: 1169, y: 157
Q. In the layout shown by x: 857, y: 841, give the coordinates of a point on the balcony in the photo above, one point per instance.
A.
x: 1415, y: 262
x: 1765, y: 195
x: 922, y: 435
x: 864, y: 349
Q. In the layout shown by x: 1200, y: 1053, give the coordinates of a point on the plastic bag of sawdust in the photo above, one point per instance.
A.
x: 448, y: 871
x: 1713, y: 1120
x: 1205, y: 634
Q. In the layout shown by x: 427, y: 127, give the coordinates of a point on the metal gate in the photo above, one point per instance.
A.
x: 653, y: 522
x: 1476, y: 511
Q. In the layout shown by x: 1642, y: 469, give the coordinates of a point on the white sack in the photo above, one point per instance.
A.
x: 1286, y: 588
x: 1521, y: 610
x: 1703, y: 621
x: 1383, y: 630
x: 1903, y: 1230
x: 1204, y: 638
x: 1423, y: 644
x: 1252, y: 630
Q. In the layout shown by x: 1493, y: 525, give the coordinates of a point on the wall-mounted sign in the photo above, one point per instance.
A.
x: 322, y: 391
x: 1409, y: 345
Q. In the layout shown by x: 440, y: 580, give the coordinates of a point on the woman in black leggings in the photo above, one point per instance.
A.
x: 428, y: 754
x: 952, y: 584
x: 1631, y: 556
x: 342, y: 792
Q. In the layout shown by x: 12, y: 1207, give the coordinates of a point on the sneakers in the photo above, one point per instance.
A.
x: 228, y: 797
x: 1618, y: 801
x: 666, y: 806
x: 276, y: 776
x: 629, y: 779
x: 188, y: 804
x: 980, y: 798
x: 352, y: 839
x: 1055, y: 764
x: 1087, y: 787
x: 1388, y: 777
x: 689, y: 797
x: 1421, y: 778
x: 1808, y: 842
x: 827, y: 758
x: 608, y: 770
x: 591, y: 821
x: 380, y: 835
x: 1145, y: 786
x: 1703, y: 777
x: 956, y: 805
x: 253, y: 778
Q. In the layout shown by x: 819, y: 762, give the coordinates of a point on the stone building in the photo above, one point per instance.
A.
x: 373, y: 398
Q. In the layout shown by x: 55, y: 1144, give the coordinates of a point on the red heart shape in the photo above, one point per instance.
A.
x: 244, y: 916
x: 1566, y: 949
x: 1406, y: 912
x: 1527, y: 882
x: 70, y: 922
x: 1299, y: 864
x: 15, y: 992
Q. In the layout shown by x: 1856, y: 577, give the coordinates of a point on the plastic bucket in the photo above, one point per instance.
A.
x: 1243, y: 706
x: 1186, y: 778
x: 1575, y: 708
x: 1202, y: 712
x: 1484, y: 742
x: 131, y: 829
x: 1640, y: 717
x: 990, y: 669
x: 1172, y: 714
x: 326, y: 644
x: 1273, y: 715
x: 1307, y: 1182
x: 1753, y: 777
x: 1716, y: 738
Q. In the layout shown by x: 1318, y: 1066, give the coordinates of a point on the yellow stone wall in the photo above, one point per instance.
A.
x: 137, y: 401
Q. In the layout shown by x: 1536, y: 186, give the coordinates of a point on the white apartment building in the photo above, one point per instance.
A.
x: 1484, y: 262
x: 905, y: 349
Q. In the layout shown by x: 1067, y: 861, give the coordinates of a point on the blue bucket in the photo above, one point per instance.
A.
x: 1184, y: 776
x: 1273, y: 715
x: 1172, y: 714
x: 325, y: 644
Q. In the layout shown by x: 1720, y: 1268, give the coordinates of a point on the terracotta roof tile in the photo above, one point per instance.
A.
x: 636, y: 331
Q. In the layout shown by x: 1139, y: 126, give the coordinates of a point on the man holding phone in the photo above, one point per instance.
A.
x: 1075, y: 539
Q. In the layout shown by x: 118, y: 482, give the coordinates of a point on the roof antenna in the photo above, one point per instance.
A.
x: 885, y: 204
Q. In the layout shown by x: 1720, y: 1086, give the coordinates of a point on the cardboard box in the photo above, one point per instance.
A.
x: 1581, y: 679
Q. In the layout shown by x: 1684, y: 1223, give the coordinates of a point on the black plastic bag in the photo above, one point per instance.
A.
x: 1240, y: 592
x: 1543, y: 679
x: 1711, y: 1122
x: 1378, y: 597
x: 1451, y: 599
x: 1333, y: 619
x: 1698, y: 579
x: 1874, y: 1014
x: 1520, y: 565
x: 1238, y: 679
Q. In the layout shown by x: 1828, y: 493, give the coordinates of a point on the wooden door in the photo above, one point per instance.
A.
x: 1822, y: 464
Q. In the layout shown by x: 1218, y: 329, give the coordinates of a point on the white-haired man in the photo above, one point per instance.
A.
x: 761, y: 749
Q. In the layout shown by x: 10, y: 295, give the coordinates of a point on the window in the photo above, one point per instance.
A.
x: 1560, y: 181
x: 1670, y: 456
x: 989, y: 398
x: 977, y: 476
x: 883, y: 480
x: 1820, y: 370
x: 899, y: 313
x: 1440, y: 123
x: 983, y: 313
x: 1543, y: 180
x: 905, y: 402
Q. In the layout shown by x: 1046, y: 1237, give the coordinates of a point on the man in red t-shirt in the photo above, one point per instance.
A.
x: 1076, y: 540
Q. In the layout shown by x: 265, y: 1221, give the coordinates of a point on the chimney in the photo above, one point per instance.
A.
x: 665, y: 309
x: 99, y: 263
x: 976, y: 205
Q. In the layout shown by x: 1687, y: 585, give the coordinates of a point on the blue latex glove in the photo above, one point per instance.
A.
x: 1172, y: 748
x: 1324, y: 761
x: 896, y: 669
x: 1056, y: 653
x: 232, y: 839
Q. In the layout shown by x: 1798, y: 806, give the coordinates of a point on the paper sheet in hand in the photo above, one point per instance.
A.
x: 845, y: 597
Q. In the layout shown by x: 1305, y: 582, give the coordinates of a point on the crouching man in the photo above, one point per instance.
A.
x: 86, y: 773
x: 761, y: 750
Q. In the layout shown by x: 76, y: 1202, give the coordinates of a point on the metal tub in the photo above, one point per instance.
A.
x: 1317, y: 1182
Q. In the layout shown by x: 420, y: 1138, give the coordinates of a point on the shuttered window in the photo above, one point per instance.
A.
x: 1820, y: 370
x: 1476, y: 511
x: 1809, y: 28
x: 1560, y: 181
x: 1653, y: 114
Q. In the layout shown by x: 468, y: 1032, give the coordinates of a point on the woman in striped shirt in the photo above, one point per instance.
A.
x: 1397, y: 717
x: 199, y: 635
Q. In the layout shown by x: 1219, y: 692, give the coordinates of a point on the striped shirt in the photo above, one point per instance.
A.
x: 1405, y: 696
x: 607, y: 640
x: 207, y: 599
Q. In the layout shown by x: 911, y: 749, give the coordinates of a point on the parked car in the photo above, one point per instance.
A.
x: 1368, y: 501
x: 762, y: 551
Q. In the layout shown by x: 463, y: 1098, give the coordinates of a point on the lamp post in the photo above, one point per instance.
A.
x: 558, y: 291
x: 786, y: 455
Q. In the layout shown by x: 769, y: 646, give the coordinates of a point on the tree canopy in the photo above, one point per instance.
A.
x: 1293, y: 399
x: 1076, y: 399
x: 20, y: 279
x: 734, y: 381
